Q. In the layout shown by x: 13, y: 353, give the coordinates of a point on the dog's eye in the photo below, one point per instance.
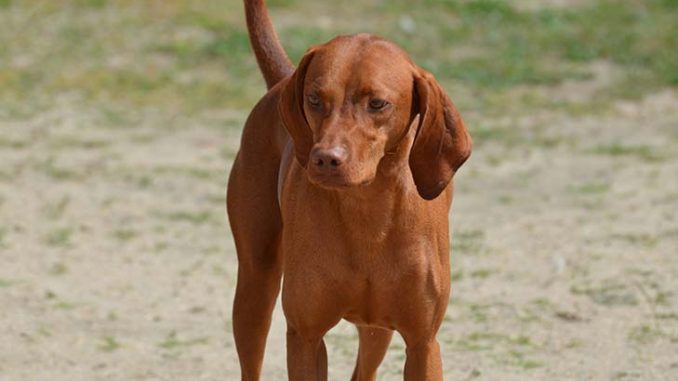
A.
x: 377, y: 104
x: 313, y: 100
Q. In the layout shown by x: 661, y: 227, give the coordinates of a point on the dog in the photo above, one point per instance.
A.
x: 341, y: 189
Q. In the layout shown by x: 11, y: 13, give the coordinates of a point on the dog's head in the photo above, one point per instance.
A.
x: 354, y: 99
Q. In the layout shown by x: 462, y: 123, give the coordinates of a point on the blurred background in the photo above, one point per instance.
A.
x: 119, y: 121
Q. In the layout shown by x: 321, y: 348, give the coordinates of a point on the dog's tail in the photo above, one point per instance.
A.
x: 274, y: 63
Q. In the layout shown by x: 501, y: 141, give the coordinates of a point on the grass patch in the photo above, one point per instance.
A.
x: 3, y: 234
x: 280, y: 3
x: 72, y: 142
x: 56, y: 172
x: 568, y: 316
x: 109, y: 344
x: 159, y: 247
x: 591, y: 188
x: 65, y: 306
x: 667, y: 316
x: 647, y: 334
x: 479, y: 312
x: 638, y: 239
x: 173, y: 342
x: 511, y: 136
x: 609, y: 293
x: 58, y: 269
x: 469, y: 242
x: 10, y: 143
x: 642, y: 152
x: 520, y: 360
x: 59, y: 237
x: 638, y: 36
x: 57, y: 303
x: 504, y: 135
x: 505, y: 72
x: 55, y: 210
x: 125, y: 235
x: 196, y: 172
x: 488, y: 340
x: 196, y: 218
x: 482, y: 273
x: 9, y: 174
x: 506, y: 349
x: 189, y: 58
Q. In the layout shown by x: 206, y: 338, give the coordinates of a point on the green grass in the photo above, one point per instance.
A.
x: 642, y: 152
x: 196, y: 218
x: 509, y: 350
x: 638, y: 239
x: 593, y: 188
x: 487, y: 340
x: 55, y: 210
x: 608, y: 293
x: 65, y: 306
x: 12, y: 143
x: 59, y: 237
x: 109, y: 344
x: 519, y: 360
x: 125, y: 234
x: 190, y: 57
x: 58, y: 303
x: 73, y: 142
x: 172, y: 341
x: 647, y: 334
x: 482, y: 273
x: 58, y: 172
x: 58, y: 269
x: 637, y: 35
x: 468, y: 242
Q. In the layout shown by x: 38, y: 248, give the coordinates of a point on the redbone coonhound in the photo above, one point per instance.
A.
x: 342, y: 189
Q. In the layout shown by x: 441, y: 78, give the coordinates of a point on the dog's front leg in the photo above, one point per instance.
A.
x: 306, y: 356
x: 423, y: 362
x: 311, y: 310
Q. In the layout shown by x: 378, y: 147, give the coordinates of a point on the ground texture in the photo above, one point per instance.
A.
x: 119, y: 122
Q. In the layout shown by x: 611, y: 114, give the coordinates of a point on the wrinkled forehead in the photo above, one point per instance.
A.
x: 361, y: 63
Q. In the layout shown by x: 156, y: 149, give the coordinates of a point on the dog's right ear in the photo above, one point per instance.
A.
x: 442, y: 143
x: 291, y: 109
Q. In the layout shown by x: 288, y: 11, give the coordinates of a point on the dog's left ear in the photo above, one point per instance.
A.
x: 291, y: 109
x: 442, y: 143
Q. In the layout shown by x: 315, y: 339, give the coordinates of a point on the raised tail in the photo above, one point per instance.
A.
x: 273, y: 62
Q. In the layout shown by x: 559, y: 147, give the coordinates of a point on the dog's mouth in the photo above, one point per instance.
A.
x: 336, y: 180
x: 325, y: 180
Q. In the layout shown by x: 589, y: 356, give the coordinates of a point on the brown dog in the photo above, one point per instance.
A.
x: 343, y: 185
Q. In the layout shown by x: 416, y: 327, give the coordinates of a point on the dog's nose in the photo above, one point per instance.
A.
x: 328, y: 158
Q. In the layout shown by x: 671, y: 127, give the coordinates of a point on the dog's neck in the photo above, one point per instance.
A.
x: 393, y: 173
x: 379, y: 209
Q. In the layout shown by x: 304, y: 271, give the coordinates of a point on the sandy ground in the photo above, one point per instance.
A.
x: 117, y: 262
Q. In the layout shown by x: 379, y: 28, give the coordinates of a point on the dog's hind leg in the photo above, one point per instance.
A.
x: 256, y: 224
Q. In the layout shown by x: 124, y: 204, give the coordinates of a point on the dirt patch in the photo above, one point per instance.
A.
x: 117, y: 262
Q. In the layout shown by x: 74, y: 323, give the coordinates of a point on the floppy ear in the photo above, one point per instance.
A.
x: 291, y: 109
x: 442, y: 143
